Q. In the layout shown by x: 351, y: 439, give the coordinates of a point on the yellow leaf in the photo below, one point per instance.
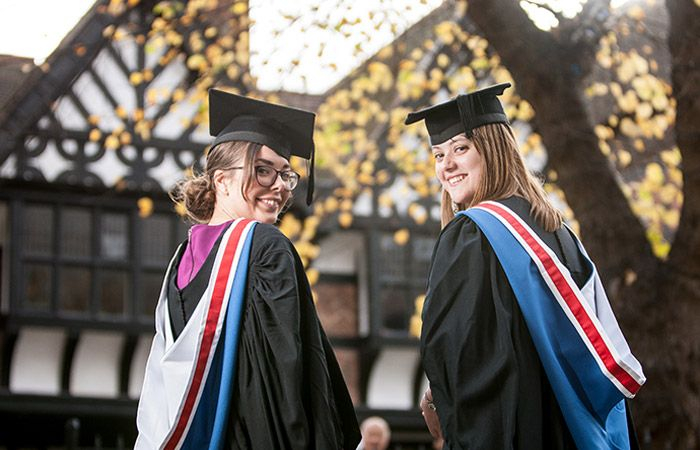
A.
x: 401, y: 236
x: 178, y: 95
x: 196, y: 62
x: 180, y: 209
x: 415, y: 325
x: 660, y: 101
x: 345, y: 219
x: 125, y: 138
x: 654, y: 174
x: 525, y: 111
x: 136, y: 78
x: 95, y: 135
x: 636, y: 12
x: 444, y: 32
x: 671, y: 218
x: 145, y: 206
x: 671, y: 157
x: 628, y: 102
x: 239, y: 8
x: 120, y: 112
x: 603, y: 132
x: 624, y: 158
x: 112, y: 142
x: 331, y: 204
x: 312, y: 275
x: 385, y: 200
x: 629, y: 128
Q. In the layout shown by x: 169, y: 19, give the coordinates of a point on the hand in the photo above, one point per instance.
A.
x: 430, y: 414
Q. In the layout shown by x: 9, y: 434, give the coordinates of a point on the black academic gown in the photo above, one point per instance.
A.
x: 488, y: 385
x: 289, y: 392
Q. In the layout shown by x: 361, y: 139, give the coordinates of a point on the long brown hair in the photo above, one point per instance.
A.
x: 504, y: 174
x: 198, y: 193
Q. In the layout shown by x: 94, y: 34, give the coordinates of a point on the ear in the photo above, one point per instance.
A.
x: 219, y: 179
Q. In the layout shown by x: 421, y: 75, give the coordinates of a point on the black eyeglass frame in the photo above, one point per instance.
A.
x: 296, y: 176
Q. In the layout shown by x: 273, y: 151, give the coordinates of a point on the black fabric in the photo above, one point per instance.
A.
x: 287, y: 131
x: 182, y: 302
x: 489, y: 387
x: 289, y: 392
x: 462, y: 114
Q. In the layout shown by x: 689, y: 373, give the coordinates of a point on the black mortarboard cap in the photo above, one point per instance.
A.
x: 462, y: 114
x: 287, y: 131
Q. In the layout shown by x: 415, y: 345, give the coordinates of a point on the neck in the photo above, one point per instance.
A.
x: 220, y: 216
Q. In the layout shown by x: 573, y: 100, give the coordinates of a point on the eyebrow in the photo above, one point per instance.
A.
x: 270, y: 163
x: 452, y: 141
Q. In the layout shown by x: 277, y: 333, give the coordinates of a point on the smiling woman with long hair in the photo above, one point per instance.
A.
x: 240, y: 359
x: 519, y: 342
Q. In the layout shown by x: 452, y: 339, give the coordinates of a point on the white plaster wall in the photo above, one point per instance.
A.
x: 36, y: 363
x: 5, y: 258
x: 424, y: 383
x: 96, y: 365
x: 339, y: 253
x: 391, y: 380
x: 138, y: 365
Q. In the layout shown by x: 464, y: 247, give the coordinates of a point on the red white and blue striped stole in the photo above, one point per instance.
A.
x: 585, y: 356
x: 203, y: 414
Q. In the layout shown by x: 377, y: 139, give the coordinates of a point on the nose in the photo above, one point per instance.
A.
x: 448, y: 162
x: 278, y: 185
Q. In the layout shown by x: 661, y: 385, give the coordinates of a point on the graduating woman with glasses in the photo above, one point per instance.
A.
x: 519, y: 342
x: 240, y: 359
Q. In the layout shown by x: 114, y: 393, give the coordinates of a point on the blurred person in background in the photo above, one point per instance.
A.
x: 376, y: 434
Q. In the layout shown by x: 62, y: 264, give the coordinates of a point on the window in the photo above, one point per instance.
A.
x: 401, y: 272
x: 87, y: 261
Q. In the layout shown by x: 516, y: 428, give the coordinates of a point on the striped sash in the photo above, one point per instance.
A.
x: 581, y: 347
x: 195, y: 401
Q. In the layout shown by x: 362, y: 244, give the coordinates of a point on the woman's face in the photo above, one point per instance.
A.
x: 264, y: 203
x: 458, y: 167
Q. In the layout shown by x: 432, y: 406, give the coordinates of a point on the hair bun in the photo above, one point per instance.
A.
x: 198, y: 196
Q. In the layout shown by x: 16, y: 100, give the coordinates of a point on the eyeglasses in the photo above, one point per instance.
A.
x: 267, y: 176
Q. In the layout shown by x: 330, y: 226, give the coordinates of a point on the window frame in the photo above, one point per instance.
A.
x: 98, y: 205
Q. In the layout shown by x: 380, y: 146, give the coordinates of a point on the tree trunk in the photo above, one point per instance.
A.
x: 681, y: 284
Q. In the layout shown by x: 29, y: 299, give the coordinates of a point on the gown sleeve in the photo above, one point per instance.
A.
x: 467, y: 341
x: 288, y: 394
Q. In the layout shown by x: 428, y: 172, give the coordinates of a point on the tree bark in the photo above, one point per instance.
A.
x: 681, y: 282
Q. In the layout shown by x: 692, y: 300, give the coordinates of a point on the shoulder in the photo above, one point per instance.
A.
x: 269, y: 237
x: 460, y: 241
x: 461, y: 229
x: 269, y: 241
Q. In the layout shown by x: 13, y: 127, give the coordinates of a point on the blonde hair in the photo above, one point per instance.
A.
x: 504, y: 174
x: 198, y: 193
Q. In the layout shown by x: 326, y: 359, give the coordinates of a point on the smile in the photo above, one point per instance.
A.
x: 456, y: 179
x: 274, y: 204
